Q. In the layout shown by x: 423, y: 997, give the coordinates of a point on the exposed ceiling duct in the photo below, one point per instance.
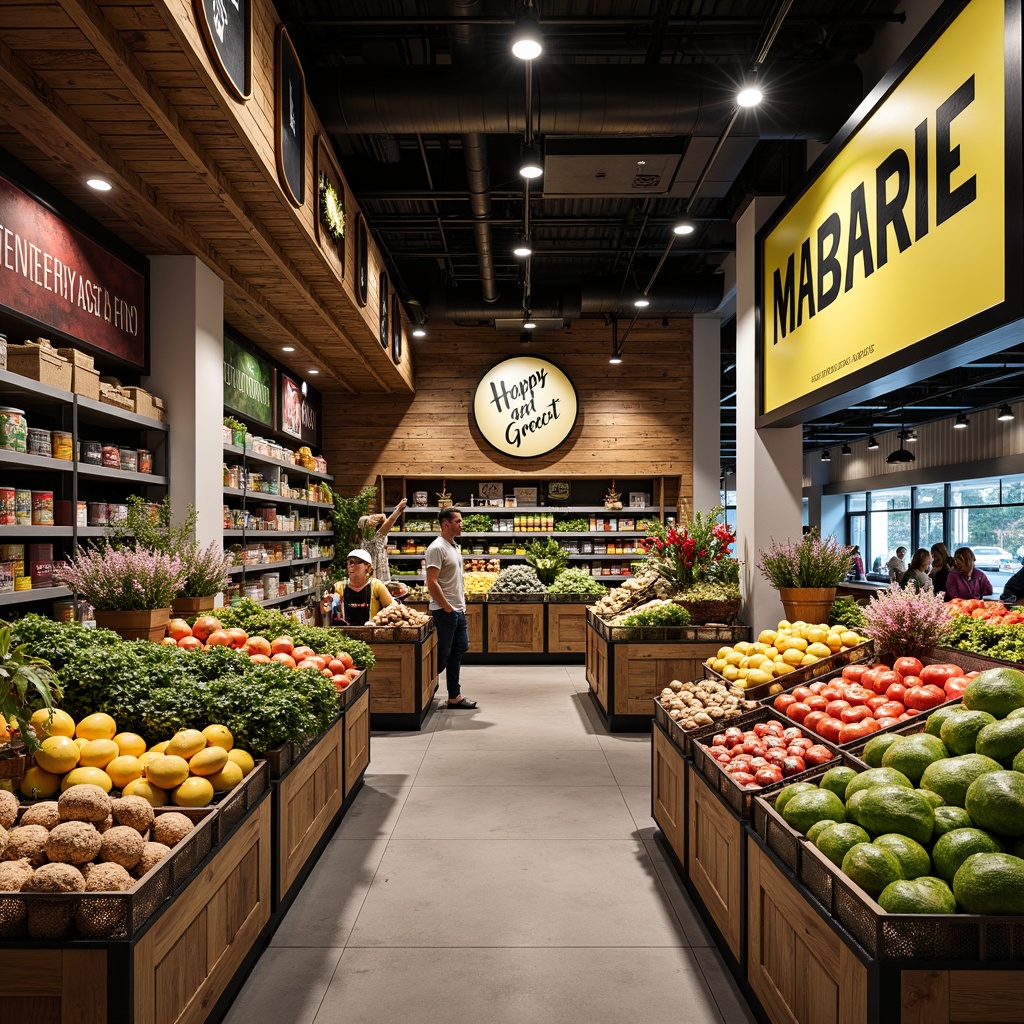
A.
x: 802, y: 101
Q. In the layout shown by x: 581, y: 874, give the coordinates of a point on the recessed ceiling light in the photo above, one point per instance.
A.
x: 99, y: 184
x: 642, y: 302
x: 419, y: 332
x: 313, y: 373
x: 287, y: 348
x: 749, y: 96
x: 684, y: 227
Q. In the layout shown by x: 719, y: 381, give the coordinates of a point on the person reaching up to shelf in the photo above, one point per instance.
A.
x: 374, y: 531
x: 355, y: 601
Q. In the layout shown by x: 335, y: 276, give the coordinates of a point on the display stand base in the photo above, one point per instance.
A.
x: 412, y: 721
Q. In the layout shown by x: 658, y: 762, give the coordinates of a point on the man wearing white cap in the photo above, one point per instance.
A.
x: 356, y: 602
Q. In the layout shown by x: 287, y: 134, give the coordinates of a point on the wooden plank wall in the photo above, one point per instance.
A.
x: 635, y: 419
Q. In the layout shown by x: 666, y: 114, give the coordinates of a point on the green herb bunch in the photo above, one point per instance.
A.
x: 477, y: 523
x: 845, y: 611
x: 547, y: 559
x: 572, y: 525
x: 577, y: 581
x: 667, y: 614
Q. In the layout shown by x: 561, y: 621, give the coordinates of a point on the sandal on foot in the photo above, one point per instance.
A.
x: 464, y: 704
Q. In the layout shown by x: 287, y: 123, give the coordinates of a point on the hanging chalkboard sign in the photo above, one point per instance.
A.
x: 382, y: 301
x: 290, y: 119
x: 227, y: 32
x: 396, y: 329
x: 362, y: 262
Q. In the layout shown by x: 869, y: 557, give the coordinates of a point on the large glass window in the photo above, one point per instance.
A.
x: 889, y: 526
x: 974, y: 492
x: 931, y: 528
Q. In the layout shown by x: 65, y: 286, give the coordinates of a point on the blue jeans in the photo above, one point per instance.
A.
x: 452, y: 644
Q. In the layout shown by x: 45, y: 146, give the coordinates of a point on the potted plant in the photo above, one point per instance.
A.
x: 696, y: 559
x: 806, y: 573
x: 131, y: 591
x: 444, y: 499
x: 547, y: 559
x: 24, y: 681
x: 238, y: 431
x: 613, y: 499
x: 206, y: 576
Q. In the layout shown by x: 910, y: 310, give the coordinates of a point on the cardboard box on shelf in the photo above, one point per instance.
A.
x: 41, y: 574
x: 143, y: 402
x: 77, y: 358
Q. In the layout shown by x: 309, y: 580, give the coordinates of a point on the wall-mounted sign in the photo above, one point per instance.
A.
x: 300, y: 413
x: 383, y: 307
x: 54, y: 275
x: 331, y: 222
x: 396, y: 328
x: 248, y: 383
x: 290, y: 119
x: 525, y: 407
x: 362, y: 261
x: 227, y: 32
x: 898, y: 250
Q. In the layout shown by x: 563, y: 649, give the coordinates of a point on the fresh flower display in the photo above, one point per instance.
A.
x: 695, y: 552
x: 904, y: 622
x: 808, y: 562
x: 122, y: 580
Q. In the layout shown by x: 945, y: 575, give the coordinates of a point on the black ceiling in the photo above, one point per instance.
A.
x: 427, y: 110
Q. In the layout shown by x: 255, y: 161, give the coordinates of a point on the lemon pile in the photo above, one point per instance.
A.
x: 478, y: 582
x: 186, y: 770
x: 777, y: 652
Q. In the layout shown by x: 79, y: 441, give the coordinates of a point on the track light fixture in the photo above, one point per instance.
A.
x: 531, y: 165
x: 961, y: 422
x: 641, y: 302
x: 846, y: 450
x: 615, y: 357
x: 527, y: 41
x: 529, y: 324
x: 826, y: 456
x: 523, y: 247
x: 419, y: 332
x: 872, y: 442
x: 1005, y: 413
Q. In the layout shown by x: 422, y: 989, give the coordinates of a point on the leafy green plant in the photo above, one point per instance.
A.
x: 667, y: 614
x: 845, y: 611
x: 577, y: 581
x: 547, y: 558
x: 477, y: 523
x: 347, y: 513
x: 234, y: 424
x: 572, y: 525
x: 26, y: 683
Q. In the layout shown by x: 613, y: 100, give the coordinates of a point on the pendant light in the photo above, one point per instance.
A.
x: 961, y: 422
x: 826, y: 455
x: 902, y: 454
x: 872, y: 442
x: 1005, y: 413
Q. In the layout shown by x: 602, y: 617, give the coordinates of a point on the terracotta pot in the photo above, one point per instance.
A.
x: 807, y: 604
x: 193, y: 605
x: 150, y: 624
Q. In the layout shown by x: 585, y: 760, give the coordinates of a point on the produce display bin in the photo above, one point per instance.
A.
x: 404, y: 680
x: 625, y: 676
x: 234, y: 805
x: 356, y: 743
x: 515, y: 624
x: 566, y: 626
x: 681, y: 736
x: 717, y: 633
x: 668, y: 789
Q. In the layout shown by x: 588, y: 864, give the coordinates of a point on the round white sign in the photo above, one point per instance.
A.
x: 525, y: 407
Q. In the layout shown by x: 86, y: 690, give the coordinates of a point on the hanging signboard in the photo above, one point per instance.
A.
x: 290, y: 119
x: 227, y: 32
x: 300, y: 411
x: 525, y: 407
x: 54, y: 275
x: 899, y: 250
x: 248, y: 383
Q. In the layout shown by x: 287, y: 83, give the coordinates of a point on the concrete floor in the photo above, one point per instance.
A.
x: 499, y: 866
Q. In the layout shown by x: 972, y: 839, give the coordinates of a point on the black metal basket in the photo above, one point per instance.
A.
x: 234, y: 805
x: 354, y: 690
x: 709, y: 633
x: 681, y: 737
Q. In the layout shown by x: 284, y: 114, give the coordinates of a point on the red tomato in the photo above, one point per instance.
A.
x: 817, y: 686
x: 794, y: 765
x: 783, y: 701
x: 876, y: 702
x: 854, y: 673
x: 857, y: 714
x: 909, y: 681
x: 972, y: 674
x: 884, y: 723
x: 798, y: 712
x: 937, y: 690
x: 734, y: 734
x: 871, y: 676
x: 829, y: 729
x: 719, y: 740
x: 890, y: 709
x: 721, y: 755
x: 812, y: 720
x: 938, y: 674
x: 816, y: 703
x: 768, y: 776
x: 834, y: 707
x: 736, y: 750
x: 743, y: 779
x: 773, y: 742
x: 818, y: 754
x: 955, y: 686
x: 833, y: 692
x: 776, y: 756
x: 754, y: 747
x: 791, y: 732
x: 904, y: 717
x: 923, y: 698
x: 759, y: 762
x: 860, y: 694
x: 802, y: 692
x: 885, y: 680
x: 801, y: 743
x: 907, y: 667
x: 775, y: 728
x: 857, y: 730
x: 895, y: 692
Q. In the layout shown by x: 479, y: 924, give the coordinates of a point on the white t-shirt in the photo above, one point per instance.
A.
x: 447, y: 559
x: 897, y: 567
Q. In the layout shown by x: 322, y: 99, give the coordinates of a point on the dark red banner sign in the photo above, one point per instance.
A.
x: 51, y: 272
x: 299, y: 411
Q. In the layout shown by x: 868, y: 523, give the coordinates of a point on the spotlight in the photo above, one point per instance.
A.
x: 616, y: 358
x: 99, y: 184
x: 642, y: 302
x: 522, y: 246
x: 1005, y: 413
x: 749, y: 96
x: 526, y: 36
x: 287, y: 348
x: 313, y: 372
x: 846, y: 450
x: 531, y: 165
x: 684, y: 227
x: 910, y: 436
x: 528, y: 323
x: 826, y: 456
x: 872, y: 443
x: 419, y: 332
x: 961, y: 421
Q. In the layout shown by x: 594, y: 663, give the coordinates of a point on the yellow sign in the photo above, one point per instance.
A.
x: 525, y: 407
x: 902, y: 234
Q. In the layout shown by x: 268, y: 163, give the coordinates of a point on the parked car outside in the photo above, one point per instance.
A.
x: 990, y: 559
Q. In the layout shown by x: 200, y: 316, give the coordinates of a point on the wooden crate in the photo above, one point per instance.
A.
x: 428, y: 670
x: 475, y: 625
x: 714, y: 859
x: 403, y: 682
x: 515, y: 628
x: 668, y: 790
x: 307, y: 798
x: 797, y: 966
x: 567, y: 628
x: 357, y: 742
x: 961, y: 997
x: 597, y: 667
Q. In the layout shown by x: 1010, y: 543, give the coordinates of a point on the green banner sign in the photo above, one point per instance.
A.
x: 248, y: 383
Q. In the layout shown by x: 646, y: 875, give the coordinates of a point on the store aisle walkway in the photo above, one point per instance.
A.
x: 499, y: 866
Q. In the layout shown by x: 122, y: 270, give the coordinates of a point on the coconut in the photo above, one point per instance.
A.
x: 107, y: 822
x: 73, y: 842
x: 122, y: 845
x: 50, y: 919
x: 84, y: 802
x: 171, y: 828
x: 134, y: 811
x: 44, y: 813
x: 14, y: 874
x: 107, y: 877
x: 55, y: 878
x: 4, y: 840
x: 152, y: 854
x: 28, y: 841
x: 8, y: 808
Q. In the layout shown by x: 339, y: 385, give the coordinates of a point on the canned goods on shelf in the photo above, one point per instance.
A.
x: 91, y: 452
x: 96, y: 513
x: 23, y: 507
x: 145, y: 460
x: 7, y: 514
x: 22, y: 582
x: 42, y: 508
x: 111, y: 456
x: 13, y: 429
x: 6, y: 577
x: 38, y: 441
x: 63, y: 445
x: 116, y: 513
x: 128, y: 459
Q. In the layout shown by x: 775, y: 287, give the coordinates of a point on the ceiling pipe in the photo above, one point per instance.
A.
x: 805, y: 102
x: 467, y: 47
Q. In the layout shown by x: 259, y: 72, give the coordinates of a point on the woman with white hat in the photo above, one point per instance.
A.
x: 355, y: 602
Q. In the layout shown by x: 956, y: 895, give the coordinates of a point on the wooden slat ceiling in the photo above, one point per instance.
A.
x: 118, y: 88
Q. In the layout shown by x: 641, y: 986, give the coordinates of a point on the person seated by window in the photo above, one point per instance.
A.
x: 876, y: 565
x: 942, y: 564
x: 1013, y: 588
x: 917, y: 575
x: 897, y: 565
x: 965, y: 580
x: 856, y: 564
